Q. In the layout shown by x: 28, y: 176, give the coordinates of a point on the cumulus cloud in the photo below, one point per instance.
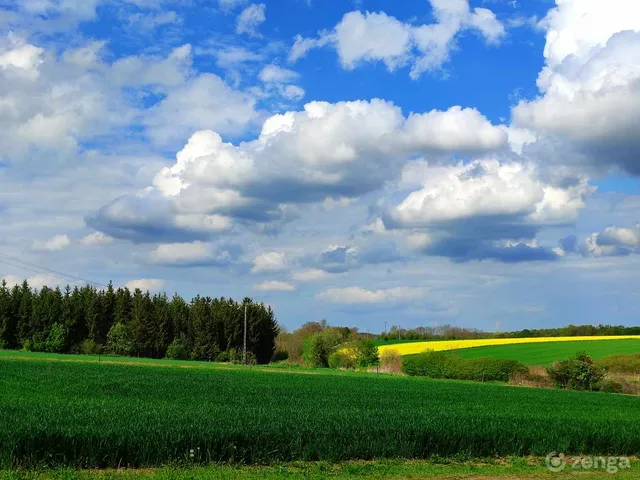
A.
x: 327, y: 150
x: 610, y: 242
x: 57, y: 101
x: 250, y: 19
x: 53, y: 244
x: 269, y: 262
x: 96, y: 238
x: 193, y: 254
x: 279, y: 80
x: 590, y: 85
x: 145, y: 284
x: 358, y: 295
x: 485, y: 209
x: 311, y: 275
x: 377, y: 37
x: 274, y: 286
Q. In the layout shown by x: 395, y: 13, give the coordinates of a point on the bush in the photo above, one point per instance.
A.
x: 449, y: 366
x: 317, y: 348
x: 119, y: 340
x: 611, y: 386
x: 177, y: 350
x: 89, y: 347
x: 367, y: 354
x: 391, y: 360
x: 579, y: 373
x: 57, y: 339
x: 342, y: 360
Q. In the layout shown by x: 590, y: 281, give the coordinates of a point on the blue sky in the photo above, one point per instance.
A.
x: 462, y: 161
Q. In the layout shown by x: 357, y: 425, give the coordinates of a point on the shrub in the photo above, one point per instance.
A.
x: 177, y: 350
x: 448, y: 365
x: 579, y: 373
x: 611, y: 386
x: 367, y: 354
x: 57, y: 339
x: 119, y: 340
x: 89, y: 347
x: 391, y: 360
x: 317, y: 347
x: 342, y: 360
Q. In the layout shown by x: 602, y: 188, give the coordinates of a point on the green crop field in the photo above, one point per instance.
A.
x: 78, y: 414
x: 547, y: 353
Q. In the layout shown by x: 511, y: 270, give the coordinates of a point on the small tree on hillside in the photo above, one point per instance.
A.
x: 367, y: 354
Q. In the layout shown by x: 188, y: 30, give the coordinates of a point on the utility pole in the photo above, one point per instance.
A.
x: 385, y: 327
x: 244, y: 351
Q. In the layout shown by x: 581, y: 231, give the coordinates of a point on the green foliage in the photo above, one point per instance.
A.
x: 450, y: 366
x: 611, y: 386
x: 367, y: 354
x: 341, y: 360
x: 57, y: 339
x: 119, y: 340
x: 108, y: 416
x: 132, y: 324
x: 90, y: 347
x: 177, y: 350
x: 579, y: 373
x: 317, y: 348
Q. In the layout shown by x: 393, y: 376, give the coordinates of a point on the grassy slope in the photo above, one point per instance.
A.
x: 547, y: 353
x: 85, y: 414
x: 510, y: 469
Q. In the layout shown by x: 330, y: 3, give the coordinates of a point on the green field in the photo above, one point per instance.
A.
x: 547, y: 353
x: 79, y: 414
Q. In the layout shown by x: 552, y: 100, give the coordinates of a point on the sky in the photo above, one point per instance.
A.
x: 370, y: 162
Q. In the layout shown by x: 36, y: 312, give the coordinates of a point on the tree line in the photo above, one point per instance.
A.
x: 118, y: 321
x: 450, y: 332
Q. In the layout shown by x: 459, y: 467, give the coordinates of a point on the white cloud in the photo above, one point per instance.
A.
x: 227, y: 5
x: 358, y: 295
x: 278, y: 80
x: 276, y: 74
x: 485, y: 209
x: 327, y: 150
x: 190, y: 254
x: 275, y: 286
x: 269, y: 262
x: 611, y: 242
x: 373, y: 37
x: 55, y: 101
x: 590, y: 84
x: 311, y: 275
x: 96, y: 238
x: 205, y: 101
x: 146, y: 284
x: 36, y: 281
x: 53, y: 244
x: 250, y: 19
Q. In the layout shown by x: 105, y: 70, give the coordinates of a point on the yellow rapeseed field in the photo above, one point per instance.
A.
x: 440, y: 345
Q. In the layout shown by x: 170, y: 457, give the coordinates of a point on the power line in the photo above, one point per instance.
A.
x: 39, y: 269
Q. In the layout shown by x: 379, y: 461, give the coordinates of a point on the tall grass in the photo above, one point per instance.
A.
x: 105, y: 415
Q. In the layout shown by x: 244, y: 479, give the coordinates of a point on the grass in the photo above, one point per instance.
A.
x: 547, y: 353
x: 83, y: 415
x: 411, y: 348
x: 508, y: 469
